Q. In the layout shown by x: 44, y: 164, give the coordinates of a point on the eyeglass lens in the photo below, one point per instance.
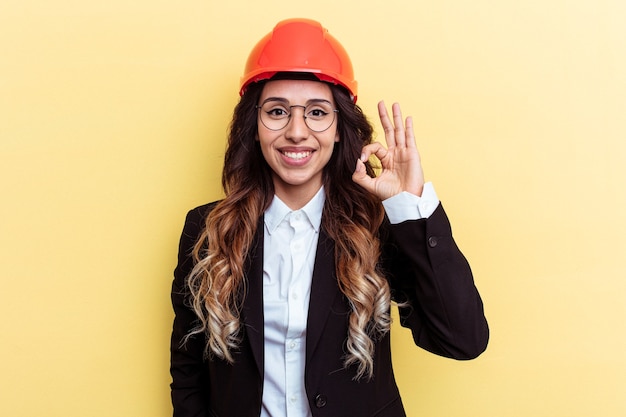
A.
x: 318, y: 115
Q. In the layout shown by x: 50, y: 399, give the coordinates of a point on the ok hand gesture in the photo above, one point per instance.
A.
x: 400, y: 161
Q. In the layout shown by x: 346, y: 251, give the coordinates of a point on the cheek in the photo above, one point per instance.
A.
x: 265, y: 145
x: 337, y: 135
x: 264, y: 137
x: 259, y: 133
x: 334, y: 133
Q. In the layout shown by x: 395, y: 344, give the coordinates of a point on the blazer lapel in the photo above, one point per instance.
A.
x: 252, y: 311
x: 324, y: 290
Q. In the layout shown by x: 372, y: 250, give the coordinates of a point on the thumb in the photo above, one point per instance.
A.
x: 361, y: 178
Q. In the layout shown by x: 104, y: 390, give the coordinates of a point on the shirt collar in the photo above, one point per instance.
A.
x: 277, y: 211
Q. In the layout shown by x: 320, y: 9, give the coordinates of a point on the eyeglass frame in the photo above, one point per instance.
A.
x: 335, y: 111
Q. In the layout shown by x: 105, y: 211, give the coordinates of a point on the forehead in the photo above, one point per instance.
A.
x: 297, y: 91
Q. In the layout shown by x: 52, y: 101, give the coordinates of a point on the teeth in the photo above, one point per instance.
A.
x: 297, y: 155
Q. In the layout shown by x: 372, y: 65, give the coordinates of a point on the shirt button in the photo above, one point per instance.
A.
x: 320, y: 401
x: 432, y: 241
x: 295, y: 296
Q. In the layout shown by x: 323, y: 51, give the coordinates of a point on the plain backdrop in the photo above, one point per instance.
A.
x: 113, y: 116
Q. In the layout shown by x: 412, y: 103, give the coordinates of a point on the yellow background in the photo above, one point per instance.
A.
x: 112, y: 123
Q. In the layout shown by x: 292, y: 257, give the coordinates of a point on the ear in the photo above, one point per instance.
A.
x: 337, y: 137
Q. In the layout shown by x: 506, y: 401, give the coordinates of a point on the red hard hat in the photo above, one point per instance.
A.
x: 300, y: 45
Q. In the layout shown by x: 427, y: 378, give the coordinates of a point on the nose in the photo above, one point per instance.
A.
x: 297, y: 130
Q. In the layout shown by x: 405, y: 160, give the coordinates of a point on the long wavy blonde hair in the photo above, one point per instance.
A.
x: 351, y: 217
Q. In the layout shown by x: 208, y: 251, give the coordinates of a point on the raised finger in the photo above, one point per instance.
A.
x: 399, y: 132
x: 387, y: 124
x: 410, y: 133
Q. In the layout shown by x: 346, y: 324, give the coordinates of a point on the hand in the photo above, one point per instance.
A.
x: 400, y: 161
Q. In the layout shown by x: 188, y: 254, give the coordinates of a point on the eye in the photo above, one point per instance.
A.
x: 316, y: 113
x: 277, y: 113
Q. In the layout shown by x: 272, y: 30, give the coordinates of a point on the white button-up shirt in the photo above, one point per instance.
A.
x: 290, y: 244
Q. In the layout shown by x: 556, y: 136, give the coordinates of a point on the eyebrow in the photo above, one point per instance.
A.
x: 285, y: 101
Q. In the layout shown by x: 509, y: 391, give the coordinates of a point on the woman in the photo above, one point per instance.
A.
x: 283, y: 289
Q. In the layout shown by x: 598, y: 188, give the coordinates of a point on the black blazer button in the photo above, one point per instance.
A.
x: 432, y: 241
x: 320, y: 401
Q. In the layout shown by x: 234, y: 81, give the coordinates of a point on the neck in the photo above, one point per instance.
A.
x: 295, y: 197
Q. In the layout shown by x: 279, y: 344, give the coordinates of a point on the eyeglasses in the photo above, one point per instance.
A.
x: 318, y: 115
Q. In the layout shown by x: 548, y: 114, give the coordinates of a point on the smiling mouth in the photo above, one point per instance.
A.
x: 297, y: 155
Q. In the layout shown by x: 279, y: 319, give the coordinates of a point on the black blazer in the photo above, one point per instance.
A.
x: 424, y: 267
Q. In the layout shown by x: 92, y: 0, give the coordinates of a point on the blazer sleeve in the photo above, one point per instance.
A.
x: 189, y: 385
x: 434, y: 286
